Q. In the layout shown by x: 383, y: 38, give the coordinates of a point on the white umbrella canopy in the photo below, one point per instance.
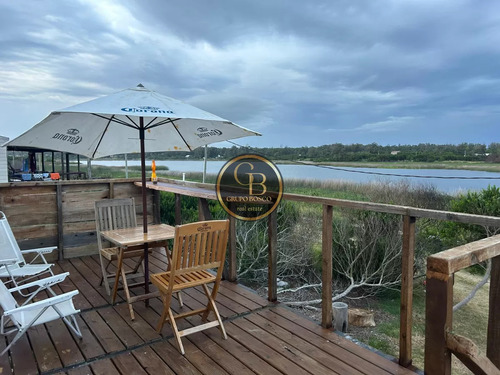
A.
x: 111, y: 125
x: 131, y: 120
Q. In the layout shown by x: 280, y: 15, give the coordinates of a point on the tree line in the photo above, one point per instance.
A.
x: 337, y: 152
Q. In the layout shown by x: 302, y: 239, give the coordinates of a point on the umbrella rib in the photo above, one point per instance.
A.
x: 132, y: 121
x: 162, y: 122
x: 118, y: 121
x: 104, y: 132
x: 180, y: 135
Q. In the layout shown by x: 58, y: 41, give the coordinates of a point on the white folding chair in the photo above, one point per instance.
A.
x: 40, y: 285
x: 32, y: 314
x: 12, y: 262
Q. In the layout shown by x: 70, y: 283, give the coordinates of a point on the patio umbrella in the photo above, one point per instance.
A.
x: 125, y: 122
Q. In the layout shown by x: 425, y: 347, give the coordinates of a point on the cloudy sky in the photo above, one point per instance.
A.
x: 303, y: 73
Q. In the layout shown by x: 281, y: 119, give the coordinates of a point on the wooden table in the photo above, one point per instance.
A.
x: 128, y: 237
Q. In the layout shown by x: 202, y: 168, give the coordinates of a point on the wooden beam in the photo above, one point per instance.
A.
x: 467, y: 352
x: 232, y: 271
x: 208, y: 191
x: 272, y: 280
x: 438, y: 320
x: 156, y: 207
x: 111, y: 190
x: 399, y: 210
x: 406, y: 307
x: 453, y: 260
x: 326, y: 267
x: 493, y: 338
x: 203, y: 210
x: 178, y: 209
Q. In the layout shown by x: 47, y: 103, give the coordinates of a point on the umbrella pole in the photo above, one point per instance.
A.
x: 144, y: 207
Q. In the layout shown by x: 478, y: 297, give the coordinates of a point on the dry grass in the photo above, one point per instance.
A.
x: 470, y: 321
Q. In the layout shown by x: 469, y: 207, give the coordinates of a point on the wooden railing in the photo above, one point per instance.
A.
x: 440, y: 342
x: 409, y: 217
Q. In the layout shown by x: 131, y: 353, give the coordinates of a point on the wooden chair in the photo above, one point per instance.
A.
x: 113, y: 214
x: 198, y: 248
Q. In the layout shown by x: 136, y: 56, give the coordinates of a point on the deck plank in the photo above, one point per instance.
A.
x: 104, y: 367
x: 266, y: 353
x: 152, y: 362
x: 45, y: 353
x: 263, y: 338
x: 22, y: 363
x: 369, y: 355
x: 295, y: 342
x: 335, y: 352
x: 283, y: 346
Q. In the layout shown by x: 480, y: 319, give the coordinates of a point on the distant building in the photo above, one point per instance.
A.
x: 395, y: 152
x: 4, y: 172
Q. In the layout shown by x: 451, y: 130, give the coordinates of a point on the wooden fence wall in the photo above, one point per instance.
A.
x: 62, y: 213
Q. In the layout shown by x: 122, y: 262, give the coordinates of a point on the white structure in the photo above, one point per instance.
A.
x: 4, y: 174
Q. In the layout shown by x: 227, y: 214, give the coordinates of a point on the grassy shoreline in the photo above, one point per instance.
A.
x: 469, y: 165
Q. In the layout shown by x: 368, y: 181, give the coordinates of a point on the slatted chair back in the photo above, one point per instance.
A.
x: 199, y: 249
x: 112, y: 214
x: 199, y: 246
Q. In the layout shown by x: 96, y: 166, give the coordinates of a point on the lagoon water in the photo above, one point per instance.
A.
x: 447, y: 180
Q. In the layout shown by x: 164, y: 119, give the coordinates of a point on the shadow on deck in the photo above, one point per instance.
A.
x: 263, y: 337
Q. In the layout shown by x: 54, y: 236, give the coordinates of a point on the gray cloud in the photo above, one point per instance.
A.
x: 302, y: 73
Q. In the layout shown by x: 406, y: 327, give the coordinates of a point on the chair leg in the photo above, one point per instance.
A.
x: 104, y: 278
x: 73, y: 325
x: 211, y: 305
x: 138, y: 264
x: 176, y: 331
x: 16, y: 337
x: 169, y: 258
x: 117, y: 276
x: 164, y: 314
x: 127, y: 293
x: 179, y: 298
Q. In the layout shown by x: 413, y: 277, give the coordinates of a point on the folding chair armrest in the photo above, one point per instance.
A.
x: 43, y: 303
x: 39, y: 253
x: 6, y: 262
x: 41, y: 250
x: 44, y: 283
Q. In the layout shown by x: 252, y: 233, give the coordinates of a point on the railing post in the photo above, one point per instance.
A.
x: 178, y: 211
x: 272, y: 280
x: 156, y: 207
x: 232, y: 269
x: 111, y: 190
x: 203, y: 210
x: 326, y: 267
x: 438, y: 320
x: 406, y: 309
x: 493, y: 338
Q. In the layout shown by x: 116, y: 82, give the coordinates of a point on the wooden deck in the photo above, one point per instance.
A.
x: 263, y: 338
